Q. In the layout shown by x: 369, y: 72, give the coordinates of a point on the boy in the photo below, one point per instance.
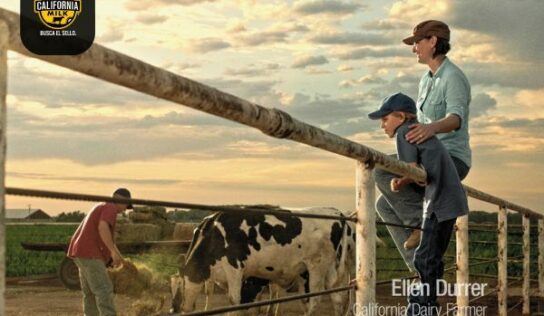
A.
x: 444, y: 201
x: 93, y: 248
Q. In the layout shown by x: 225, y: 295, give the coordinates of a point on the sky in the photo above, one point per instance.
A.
x: 327, y: 63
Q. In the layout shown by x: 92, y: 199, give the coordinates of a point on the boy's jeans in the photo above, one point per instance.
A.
x: 429, y: 264
x: 96, y: 287
x: 404, y: 207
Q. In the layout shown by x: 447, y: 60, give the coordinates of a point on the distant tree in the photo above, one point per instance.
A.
x: 480, y: 217
x: 158, y: 209
x: 70, y: 217
x: 187, y: 216
x: 514, y: 218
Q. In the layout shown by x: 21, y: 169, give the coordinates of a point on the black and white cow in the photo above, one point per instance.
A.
x: 246, y: 251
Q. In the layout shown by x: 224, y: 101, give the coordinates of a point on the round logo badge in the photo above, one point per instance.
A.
x: 57, y: 14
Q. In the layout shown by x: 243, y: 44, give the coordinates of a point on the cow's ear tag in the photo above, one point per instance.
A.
x: 57, y: 27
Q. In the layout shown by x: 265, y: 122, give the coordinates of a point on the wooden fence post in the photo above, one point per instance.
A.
x: 540, y: 263
x: 461, y: 233
x: 526, y: 223
x: 502, y: 281
x: 365, y: 294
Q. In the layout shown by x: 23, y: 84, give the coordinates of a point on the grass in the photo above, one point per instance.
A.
x: 161, y: 264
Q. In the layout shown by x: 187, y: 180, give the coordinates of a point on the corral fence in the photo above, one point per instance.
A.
x: 120, y: 69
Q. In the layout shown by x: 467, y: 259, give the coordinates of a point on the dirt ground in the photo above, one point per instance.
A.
x: 48, y: 297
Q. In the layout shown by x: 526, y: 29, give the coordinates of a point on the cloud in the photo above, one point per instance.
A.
x: 407, y: 84
x: 242, y: 89
x: 530, y: 98
x: 364, y: 80
x: 324, y: 110
x: 350, y: 38
x: 111, y: 36
x: 174, y: 118
x: 305, y: 61
x: 252, y: 70
x: 481, y: 104
x: 412, y: 11
x: 515, y: 75
x: 521, y: 135
x: 352, y: 127
x: 367, y: 52
x: 389, y: 63
x: 206, y: 45
x: 249, y: 148
x: 114, y: 32
x: 386, y: 25
x: 279, y: 32
x: 151, y: 18
x: 107, y: 180
x: 326, y: 7
x: 181, y: 67
x: 62, y: 88
x: 530, y: 127
x: 517, y: 25
x: 260, y: 38
x: 24, y: 122
x: 344, y: 68
x: 236, y: 27
x: 316, y: 71
x: 114, y: 139
x: 144, y: 5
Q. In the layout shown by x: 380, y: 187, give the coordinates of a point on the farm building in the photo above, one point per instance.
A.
x: 27, y: 214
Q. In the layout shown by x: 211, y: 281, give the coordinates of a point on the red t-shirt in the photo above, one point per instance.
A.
x: 86, y: 241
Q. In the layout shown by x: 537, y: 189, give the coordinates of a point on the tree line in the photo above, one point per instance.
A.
x: 193, y: 215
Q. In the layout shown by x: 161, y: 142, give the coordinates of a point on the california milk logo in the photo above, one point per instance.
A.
x: 57, y: 27
x: 57, y: 14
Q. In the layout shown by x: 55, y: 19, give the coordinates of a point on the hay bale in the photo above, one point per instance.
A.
x: 138, y: 282
x: 167, y: 230
x: 148, y: 215
x: 137, y: 232
x: 184, y: 231
x: 140, y: 217
x: 130, y: 280
x: 146, y: 307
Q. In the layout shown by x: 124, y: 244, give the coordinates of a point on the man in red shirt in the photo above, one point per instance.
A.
x: 92, y: 248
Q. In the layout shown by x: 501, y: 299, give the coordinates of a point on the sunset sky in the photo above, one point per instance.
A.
x: 327, y: 63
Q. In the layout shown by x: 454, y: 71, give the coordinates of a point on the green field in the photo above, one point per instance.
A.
x: 22, y: 262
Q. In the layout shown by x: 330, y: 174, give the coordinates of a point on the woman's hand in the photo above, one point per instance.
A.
x: 419, y: 133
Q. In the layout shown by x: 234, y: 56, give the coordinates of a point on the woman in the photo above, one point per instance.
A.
x: 442, y: 110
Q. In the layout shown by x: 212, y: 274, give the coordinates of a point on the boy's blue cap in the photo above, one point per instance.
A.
x: 396, y: 102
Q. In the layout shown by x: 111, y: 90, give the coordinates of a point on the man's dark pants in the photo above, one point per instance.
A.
x: 428, y: 258
x: 404, y: 207
x: 429, y: 265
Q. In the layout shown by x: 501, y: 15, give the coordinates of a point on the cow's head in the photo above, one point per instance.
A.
x: 176, y: 286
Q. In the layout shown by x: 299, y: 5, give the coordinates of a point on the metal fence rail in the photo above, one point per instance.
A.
x: 226, y: 309
x: 226, y: 209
